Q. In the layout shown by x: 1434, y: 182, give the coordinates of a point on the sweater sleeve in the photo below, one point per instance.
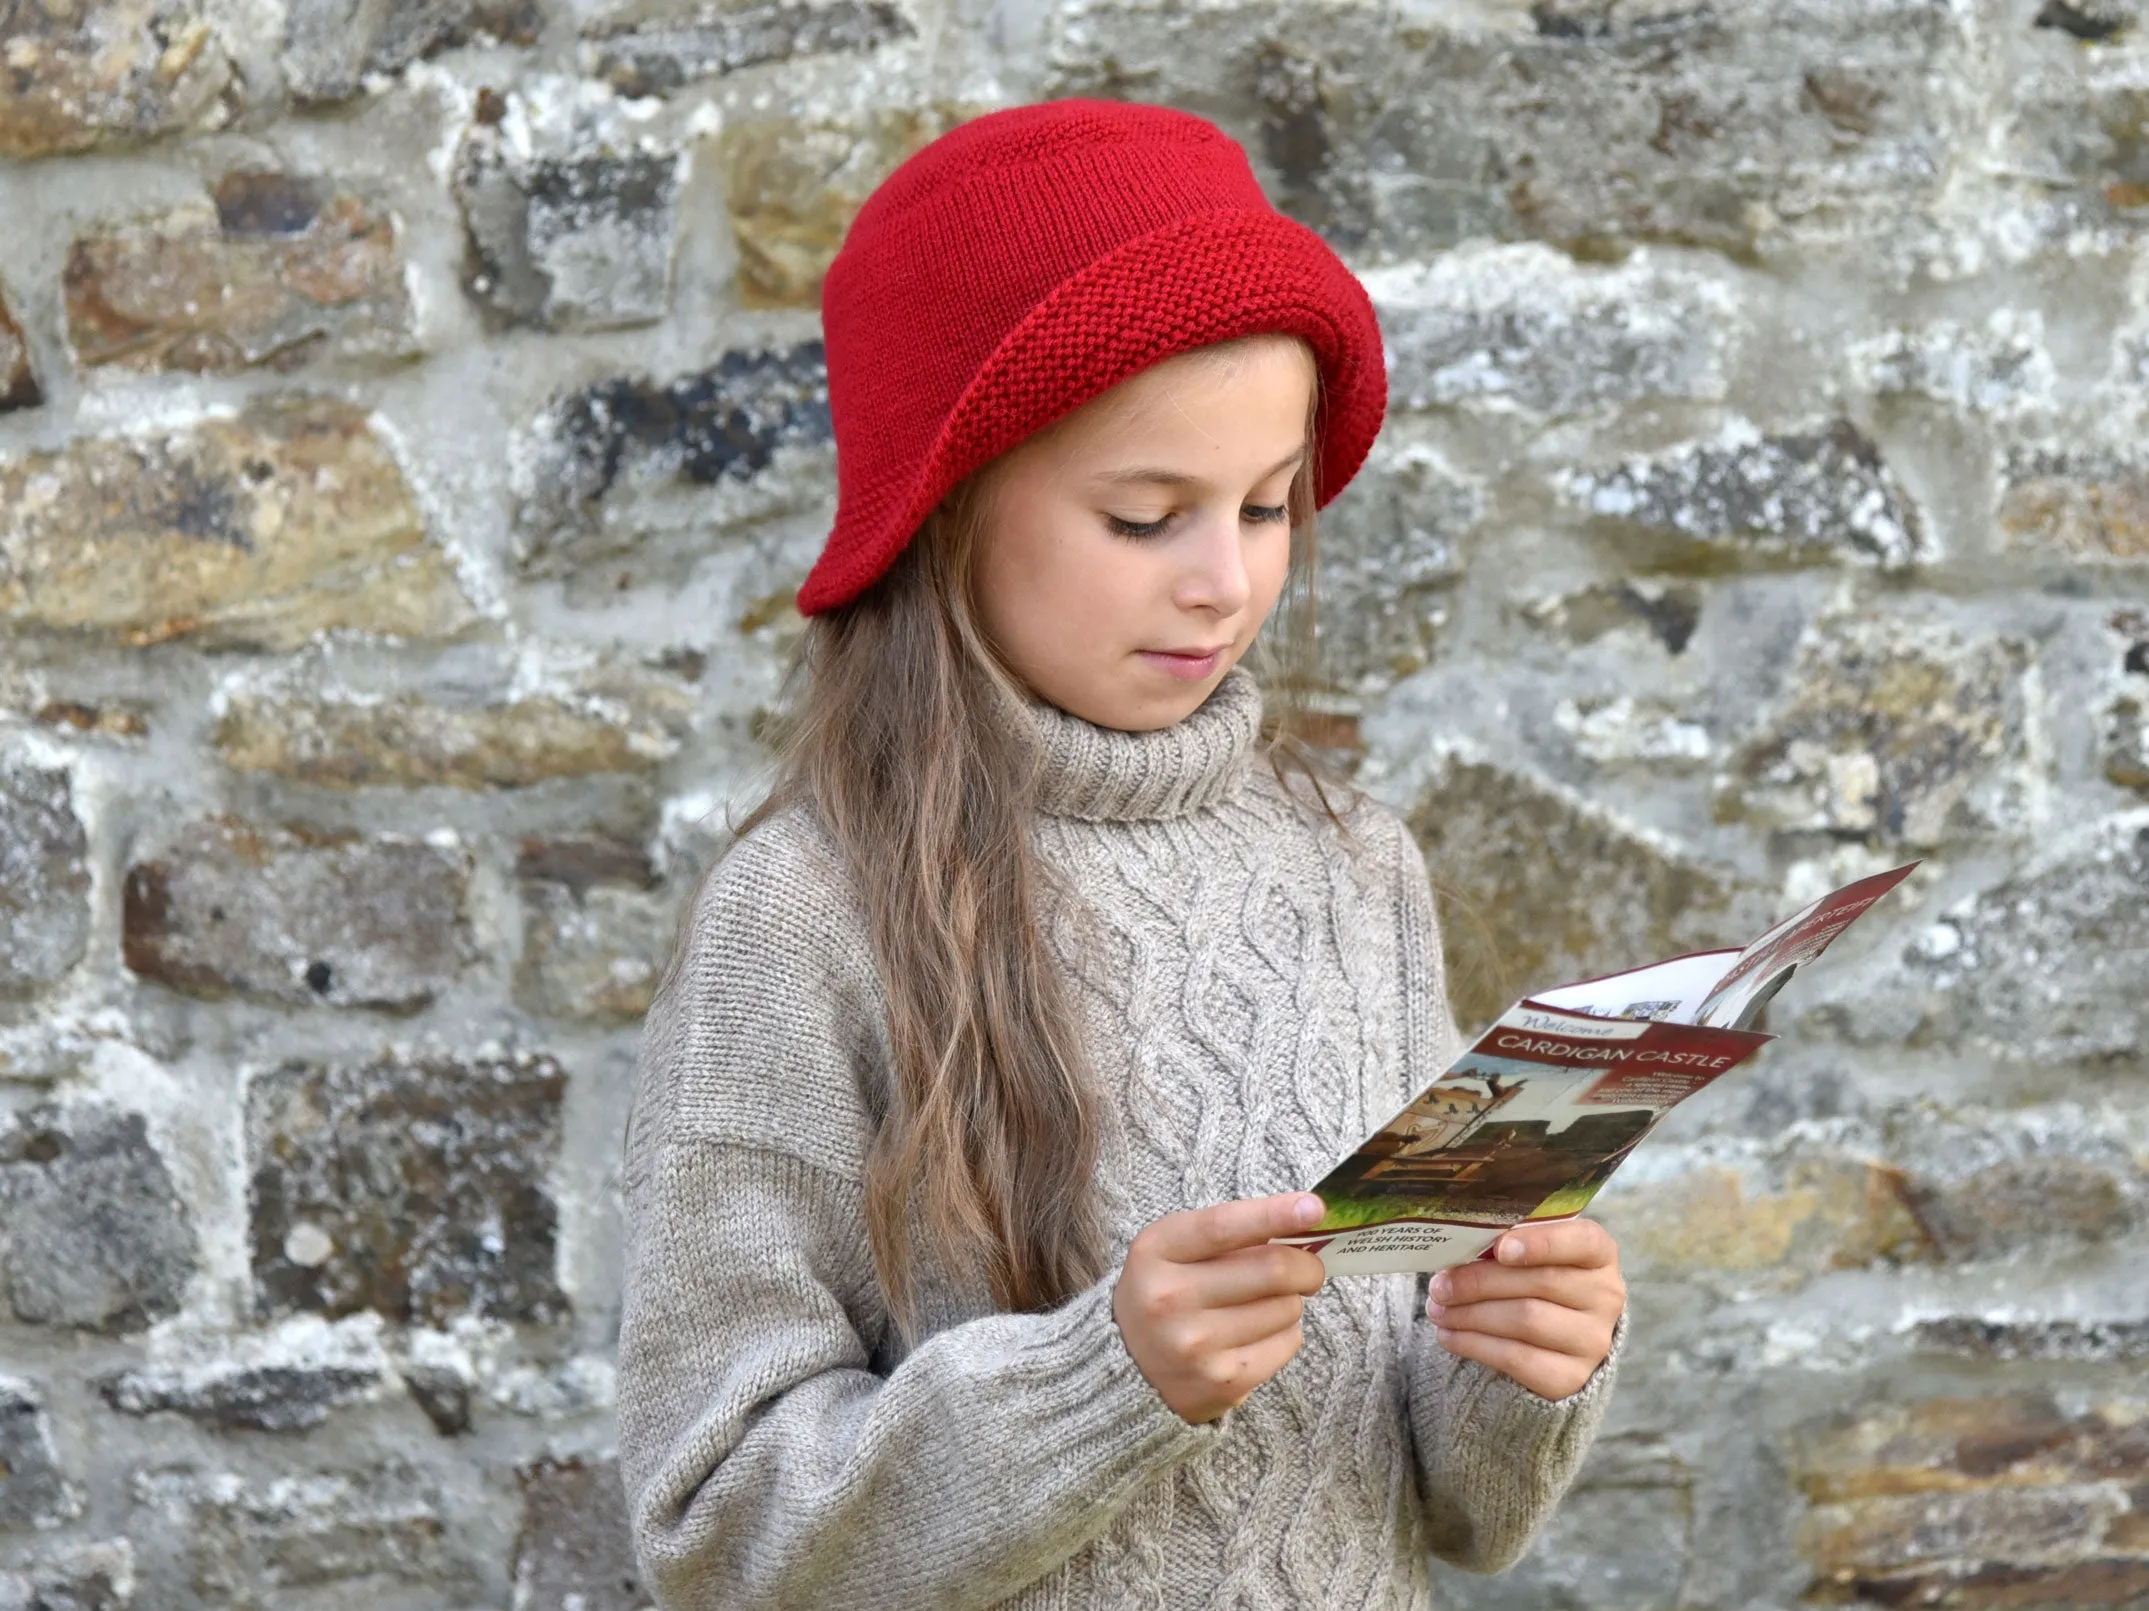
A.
x: 1493, y: 1458
x: 771, y: 1458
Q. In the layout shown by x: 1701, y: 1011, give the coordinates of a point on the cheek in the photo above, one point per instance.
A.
x: 1039, y: 586
x: 1268, y: 568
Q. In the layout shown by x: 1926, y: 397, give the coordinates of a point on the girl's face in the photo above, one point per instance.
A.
x: 1133, y: 548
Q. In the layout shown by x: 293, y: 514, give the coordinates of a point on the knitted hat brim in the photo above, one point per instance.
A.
x: 1201, y: 279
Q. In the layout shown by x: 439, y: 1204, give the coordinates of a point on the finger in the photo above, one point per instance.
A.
x: 1244, y: 1369
x: 1579, y: 1242
x: 1548, y: 1375
x: 1561, y: 1283
x: 1203, y: 1233
x: 1244, y: 1324
x: 1253, y: 1272
x: 1532, y: 1321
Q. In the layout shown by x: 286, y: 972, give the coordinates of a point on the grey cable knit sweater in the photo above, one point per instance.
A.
x: 1256, y: 995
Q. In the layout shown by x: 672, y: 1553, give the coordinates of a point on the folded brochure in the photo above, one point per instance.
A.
x: 1533, y: 1118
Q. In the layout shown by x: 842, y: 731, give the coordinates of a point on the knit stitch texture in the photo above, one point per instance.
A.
x: 1256, y: 991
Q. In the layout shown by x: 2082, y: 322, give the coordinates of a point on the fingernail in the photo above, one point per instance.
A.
x: 1308, y: 1209
x: 1433, y: 1311
x: 1510, y: 1251
x: 1443, y: 1286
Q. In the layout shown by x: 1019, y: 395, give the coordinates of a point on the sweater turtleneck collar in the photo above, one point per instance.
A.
x: 1106, y: 774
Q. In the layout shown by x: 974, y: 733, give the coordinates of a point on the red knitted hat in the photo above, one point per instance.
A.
x: 1032, y: 258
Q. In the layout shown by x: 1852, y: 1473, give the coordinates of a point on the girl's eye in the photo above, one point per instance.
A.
x: 1260, y: 514
x: 1136, y: 528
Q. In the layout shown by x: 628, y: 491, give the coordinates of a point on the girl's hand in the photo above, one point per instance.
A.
x: 1543, y: 1314
x: 1208, y: 1308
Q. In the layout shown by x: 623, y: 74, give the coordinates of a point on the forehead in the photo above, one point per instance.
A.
x: 1256, y: 395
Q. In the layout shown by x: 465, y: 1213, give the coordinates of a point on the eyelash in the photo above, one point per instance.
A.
x: 1261, y: 514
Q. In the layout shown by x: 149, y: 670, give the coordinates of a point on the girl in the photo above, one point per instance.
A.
x: 993, y: 1047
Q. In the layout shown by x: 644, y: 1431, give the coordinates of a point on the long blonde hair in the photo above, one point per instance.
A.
x: 892, y: 735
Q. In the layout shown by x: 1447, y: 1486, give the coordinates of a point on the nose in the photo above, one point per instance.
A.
x: 1213, y: 576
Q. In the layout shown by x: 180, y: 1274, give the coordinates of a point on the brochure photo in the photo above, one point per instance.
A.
x: 1539, y: 1111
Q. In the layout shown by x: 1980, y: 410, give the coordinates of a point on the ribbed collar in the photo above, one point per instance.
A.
x: 1105, y: 774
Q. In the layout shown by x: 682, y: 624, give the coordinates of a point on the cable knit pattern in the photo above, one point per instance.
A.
x: 1256, y: 991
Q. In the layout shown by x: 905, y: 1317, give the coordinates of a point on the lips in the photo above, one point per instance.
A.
x: 1190, y: 664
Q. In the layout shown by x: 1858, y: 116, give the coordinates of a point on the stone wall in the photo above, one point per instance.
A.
x: 412, y: 430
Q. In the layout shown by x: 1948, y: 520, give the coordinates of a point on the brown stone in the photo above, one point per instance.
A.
x: 793, y: 188
x: 18, y: 382
x: 2005, y: 1206
x: 2126, y: 744
x: 2088, y: 506
x: 1976, y: 1502
x: 292, y: 915
x: 1827, y: 1213
x: 574, y: 1549
x: 1889, y: 732
x: 417, y: 1189
x: 407, y: 742
x: 1536, y: 891
x: 273, y: 273
x: 258, y: 532
x: 97, y: 72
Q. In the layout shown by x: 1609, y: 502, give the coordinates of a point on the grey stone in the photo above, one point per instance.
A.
x: 596, y: 931
x: 1742, y: 126
x: 1971, y: 1337
x: 269, y: 1545
x: 330, y: 46
x: 34, y: 1492
x: 1819, y: 493
x: 44, y: 879
x: 606, y: 466
x: 287, y: 914
x: 286, y: 1381
x: 574, y: 1552
x: 444, y: 1395
x: 94, y: 1235
x: 417, y: 1189
x: 78, y: 1577
x: 1998, y: 367
x: 268, y: 1398
x: 1896, y: 731
x: 570, y: 227
x: 1522, y: 326
x: 1666, y: 611
x: 2072, y: 125
x: 2095, y: 24
x: 654, y: 58
x: 2046, y: 965
x: 1389, y: 549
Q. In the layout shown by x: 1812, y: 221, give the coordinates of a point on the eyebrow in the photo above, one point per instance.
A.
x: 1157, y: 475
